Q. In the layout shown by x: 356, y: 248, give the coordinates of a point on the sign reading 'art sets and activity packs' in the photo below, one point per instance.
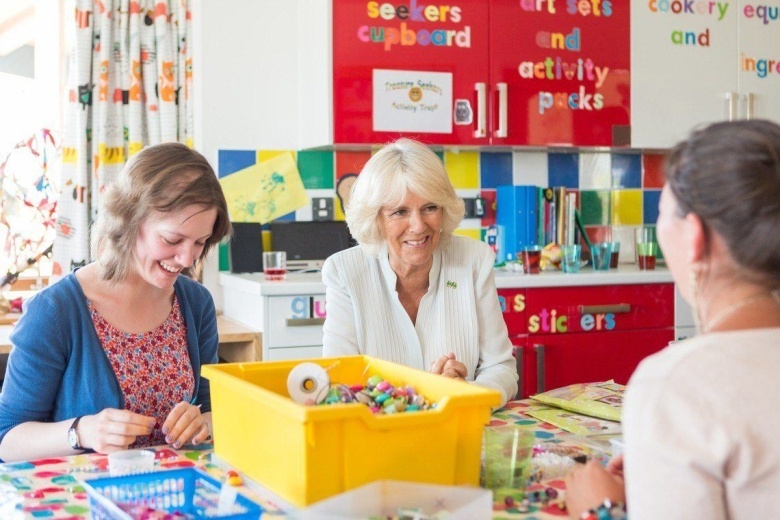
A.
x: 561, y: 58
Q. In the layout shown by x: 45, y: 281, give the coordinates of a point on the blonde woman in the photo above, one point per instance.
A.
x: 411, y: 292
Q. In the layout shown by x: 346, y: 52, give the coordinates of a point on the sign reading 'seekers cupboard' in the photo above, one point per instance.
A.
x: 397, y: 31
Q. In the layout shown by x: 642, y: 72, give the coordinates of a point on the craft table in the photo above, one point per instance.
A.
x: 49, y: 488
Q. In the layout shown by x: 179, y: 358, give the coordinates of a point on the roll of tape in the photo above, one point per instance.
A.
x: 308, y: 383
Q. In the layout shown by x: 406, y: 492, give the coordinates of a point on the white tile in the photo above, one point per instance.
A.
x: 595, y: 171
x: 530, y: 168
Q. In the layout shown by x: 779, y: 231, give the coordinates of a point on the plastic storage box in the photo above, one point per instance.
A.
x: 189, y: 491
x: 308, y: 453
x: 393, y: 499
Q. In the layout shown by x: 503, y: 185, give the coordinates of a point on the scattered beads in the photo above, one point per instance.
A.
x: 141, y: 512
x: 380, y: 396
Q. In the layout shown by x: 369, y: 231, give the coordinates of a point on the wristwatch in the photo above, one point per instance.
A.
x: 73, y: 435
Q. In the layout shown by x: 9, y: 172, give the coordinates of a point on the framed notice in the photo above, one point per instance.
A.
x: 412, y: 101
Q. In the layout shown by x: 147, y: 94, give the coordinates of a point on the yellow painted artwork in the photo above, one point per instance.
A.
x: 265, y: 191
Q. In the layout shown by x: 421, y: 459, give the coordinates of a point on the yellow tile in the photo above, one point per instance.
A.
x: 267, y: 240
x: 626, y: 207
x: 264, y: 155
x: 463, y: 169
x: 469, y: 233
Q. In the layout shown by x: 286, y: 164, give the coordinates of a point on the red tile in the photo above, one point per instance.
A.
x: 653, y: 172
x: 350, y: 162
x: 490, y: 207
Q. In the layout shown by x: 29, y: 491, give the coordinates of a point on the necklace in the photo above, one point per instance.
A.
x: 731, y: 309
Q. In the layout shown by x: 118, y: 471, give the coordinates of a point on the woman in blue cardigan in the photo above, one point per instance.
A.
x: 109, y: 357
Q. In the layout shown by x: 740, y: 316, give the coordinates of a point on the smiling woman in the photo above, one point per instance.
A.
x: 411, y: 292
x: 132, y: 320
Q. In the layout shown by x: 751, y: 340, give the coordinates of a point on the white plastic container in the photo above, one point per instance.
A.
x: 130, y: 462
x: 391, y: 498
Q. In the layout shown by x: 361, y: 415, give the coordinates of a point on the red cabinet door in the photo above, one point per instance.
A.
x: 554, y: 360
x: 408, y: 36
x: 566, y: 69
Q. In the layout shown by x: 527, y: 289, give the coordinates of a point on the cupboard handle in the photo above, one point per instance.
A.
x: 502, y: 110
x: 540, y: 383
x: 731, y: 97
x: 615, y: 308
x: 481, y: 90
x: 749, y: 105
x: 304, y: 322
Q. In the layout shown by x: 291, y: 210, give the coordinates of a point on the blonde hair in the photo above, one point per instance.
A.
x: 399, y: 168
x: 165, y: 178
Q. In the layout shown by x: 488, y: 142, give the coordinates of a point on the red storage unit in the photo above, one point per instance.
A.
x: 522, y: 73
x: 592, y: 333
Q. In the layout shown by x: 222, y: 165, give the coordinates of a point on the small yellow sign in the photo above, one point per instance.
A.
x: 265, y: 191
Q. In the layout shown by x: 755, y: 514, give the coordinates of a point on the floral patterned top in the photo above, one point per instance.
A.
x: 153, y: 368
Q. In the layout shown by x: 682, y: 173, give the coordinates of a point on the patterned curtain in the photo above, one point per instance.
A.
x: 129, y: 86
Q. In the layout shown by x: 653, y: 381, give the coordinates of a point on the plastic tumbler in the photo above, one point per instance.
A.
x: 570, y: 258
x: 275, y: 265
x: 508, y: 452
x: 531, y: 256
x: 601, y: 252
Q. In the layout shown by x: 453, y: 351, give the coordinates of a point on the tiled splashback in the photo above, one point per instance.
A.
x: 616, y: 191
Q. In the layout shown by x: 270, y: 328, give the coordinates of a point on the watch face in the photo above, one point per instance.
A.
x: 73, y: 439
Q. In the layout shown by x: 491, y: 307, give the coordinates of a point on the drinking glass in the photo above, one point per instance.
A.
x: 275, y: 265
x: 601, y: 253
x: 531, y: 256
x: 613, y: 260
x: 570, y: 258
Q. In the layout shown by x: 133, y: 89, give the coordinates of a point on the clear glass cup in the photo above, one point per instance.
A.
x: 615, y: 255
x: 275, y: 265
x: 531, y: 256
x: 570, y: 258
x: 646, y: 254
x: 601, y: 253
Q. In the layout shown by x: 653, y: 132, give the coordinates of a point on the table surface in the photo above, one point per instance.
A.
x: 49, y: 488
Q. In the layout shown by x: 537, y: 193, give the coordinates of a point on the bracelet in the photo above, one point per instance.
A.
x: 606, y: 511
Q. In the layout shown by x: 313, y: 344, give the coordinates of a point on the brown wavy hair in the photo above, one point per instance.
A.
x: 166, y: 178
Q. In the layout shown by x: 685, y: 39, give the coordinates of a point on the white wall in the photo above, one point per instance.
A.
x: 245, y: 56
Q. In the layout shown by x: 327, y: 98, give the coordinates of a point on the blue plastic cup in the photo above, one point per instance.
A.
x: 601, y: 254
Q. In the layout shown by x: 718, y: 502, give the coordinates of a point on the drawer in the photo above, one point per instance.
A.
x: 294, y: 321
x: 599, y: 308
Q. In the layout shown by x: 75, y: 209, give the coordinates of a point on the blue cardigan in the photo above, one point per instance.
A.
x: 58, y: 370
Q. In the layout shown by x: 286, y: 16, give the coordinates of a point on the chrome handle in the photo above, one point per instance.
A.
x: 540, y: 383
x: 304, y: 322
x: 481, y: 90
x: 749, y: 105
x: 731, y: 97
x: 615, y: 308
x: 502, y: 110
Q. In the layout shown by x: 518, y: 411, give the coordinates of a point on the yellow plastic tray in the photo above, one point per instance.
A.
x: 308, y: 453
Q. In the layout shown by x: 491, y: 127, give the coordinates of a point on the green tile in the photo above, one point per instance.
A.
x: 316, y: 169
x: 224, y: 257
x: 595, y: 207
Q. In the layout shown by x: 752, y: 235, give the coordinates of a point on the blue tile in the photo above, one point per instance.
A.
x: 626, y: 170
x: 495, y: 169
x: 287, y: 217
x: 650, y: 202
x: 231, y: 161
x: 563, y: 169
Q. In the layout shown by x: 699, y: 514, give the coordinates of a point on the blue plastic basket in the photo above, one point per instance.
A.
x: 188, y: 491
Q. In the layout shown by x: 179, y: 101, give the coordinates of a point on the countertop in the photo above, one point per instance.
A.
x: 311, y: 283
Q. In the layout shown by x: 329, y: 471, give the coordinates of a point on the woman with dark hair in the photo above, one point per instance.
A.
x: 700, y: 418
x: 412, y: 292
x: 109, y: 357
